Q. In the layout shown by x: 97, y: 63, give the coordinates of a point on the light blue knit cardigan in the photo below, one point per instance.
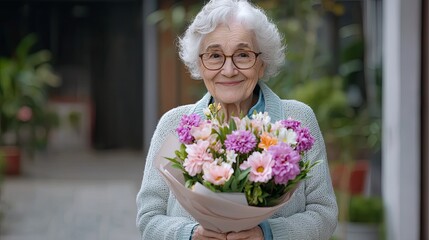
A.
x: 310, y: 214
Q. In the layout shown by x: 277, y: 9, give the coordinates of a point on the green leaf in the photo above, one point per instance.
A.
x: 234, y: 186
x: 177, y: 166
x: 227, y: 185
x: 232, y: 125
x: 173, y: 160
x: 243, y: 174
x: 189, y: 183
x: 210, y: 186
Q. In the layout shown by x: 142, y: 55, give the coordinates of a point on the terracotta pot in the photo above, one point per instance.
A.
x: 13, y: 159
x: 356, y: 177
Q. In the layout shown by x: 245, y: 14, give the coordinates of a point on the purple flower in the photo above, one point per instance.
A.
x: 185, y: 126
x: 286, y: 166
x: 241, y: 141
x: 304, y: 139
x: 290, y: 123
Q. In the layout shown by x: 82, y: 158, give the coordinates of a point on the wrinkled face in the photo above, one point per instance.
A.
x: 230, y: 85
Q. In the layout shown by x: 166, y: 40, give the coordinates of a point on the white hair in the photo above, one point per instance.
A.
x: 216, y: 12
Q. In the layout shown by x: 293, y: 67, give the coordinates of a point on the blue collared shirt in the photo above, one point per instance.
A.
x: 259, y: 106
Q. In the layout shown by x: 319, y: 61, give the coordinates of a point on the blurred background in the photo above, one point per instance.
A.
x: 83, y: 84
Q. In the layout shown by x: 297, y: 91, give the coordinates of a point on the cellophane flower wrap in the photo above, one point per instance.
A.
x: 253, y: 156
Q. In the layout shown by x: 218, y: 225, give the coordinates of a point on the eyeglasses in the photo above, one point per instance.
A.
x: 241, y: 59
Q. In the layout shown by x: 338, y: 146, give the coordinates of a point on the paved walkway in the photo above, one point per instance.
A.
x: 70, y: 196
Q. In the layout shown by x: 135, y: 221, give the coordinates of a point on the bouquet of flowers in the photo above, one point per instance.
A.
x: 253, y: 156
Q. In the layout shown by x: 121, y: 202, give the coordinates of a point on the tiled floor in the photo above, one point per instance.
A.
x: 79, y: 195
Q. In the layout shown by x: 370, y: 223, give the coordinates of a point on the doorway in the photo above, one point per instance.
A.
x: 97, y: 49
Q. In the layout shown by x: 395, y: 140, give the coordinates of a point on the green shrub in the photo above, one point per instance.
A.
x: 365, y: 209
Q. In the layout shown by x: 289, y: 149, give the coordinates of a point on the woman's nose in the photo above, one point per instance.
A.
x: 229, y: 69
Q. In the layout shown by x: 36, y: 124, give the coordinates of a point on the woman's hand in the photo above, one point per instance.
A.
x: 202, y: 234
x: 251, y: 234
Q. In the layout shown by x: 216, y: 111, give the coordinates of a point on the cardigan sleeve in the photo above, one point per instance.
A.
x: 319, y: 219
x: 152, y: 199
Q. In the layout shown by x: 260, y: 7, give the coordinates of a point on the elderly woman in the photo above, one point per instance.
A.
x: 233, y: 47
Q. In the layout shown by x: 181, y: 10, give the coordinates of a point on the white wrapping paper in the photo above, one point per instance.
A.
x: 213, y: 211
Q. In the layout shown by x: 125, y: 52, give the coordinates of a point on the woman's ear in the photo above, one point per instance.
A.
x: 261, y: 70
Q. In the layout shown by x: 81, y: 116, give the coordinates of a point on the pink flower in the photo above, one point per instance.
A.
x: 286, y: 165
x: 217, y: 174
x: 203, y: 131
x: 261, y: 166
x: 197, y: 157
x: 24, y: 114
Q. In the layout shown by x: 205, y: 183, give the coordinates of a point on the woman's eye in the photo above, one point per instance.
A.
x: 215, y: 55
x: 243, y: 55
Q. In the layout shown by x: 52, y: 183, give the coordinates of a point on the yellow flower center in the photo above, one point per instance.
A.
x: 260, y: 169
x: 218, y: 178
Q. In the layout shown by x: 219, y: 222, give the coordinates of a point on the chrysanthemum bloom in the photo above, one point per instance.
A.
x: 286, y: 166
x: 267, y: 141
x: 260, y: 167
x: 197, y: 157
x: 201, y: 132
x: 185, y: 126
x: 304, y: 139
x: 241, y: 141
x: 292, y: 124
x: 217, y: 174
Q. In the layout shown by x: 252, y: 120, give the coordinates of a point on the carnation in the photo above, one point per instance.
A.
x: 197, y: 157
x: 286, y: 166
x: 305, y: 140
x: 290, y: 123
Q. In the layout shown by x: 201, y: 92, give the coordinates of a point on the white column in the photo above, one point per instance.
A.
x: 426, y: 98
x: 401, y: 118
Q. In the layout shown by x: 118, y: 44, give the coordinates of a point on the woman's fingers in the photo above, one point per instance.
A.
x: 251, y: 234
x: 201, y: 233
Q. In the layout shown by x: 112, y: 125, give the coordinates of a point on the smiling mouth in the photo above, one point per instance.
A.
x: 230, y: 83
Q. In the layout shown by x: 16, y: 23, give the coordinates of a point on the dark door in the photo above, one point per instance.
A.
x: 97, y: 48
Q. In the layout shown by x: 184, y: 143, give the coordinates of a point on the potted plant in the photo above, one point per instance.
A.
x: 25, y: 120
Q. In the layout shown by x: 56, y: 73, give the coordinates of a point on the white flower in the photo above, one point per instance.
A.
x: 288, y: 136
x: 276, y: 126
x: 263, y: 117
x: 231, y: 156
x: 243, y: 123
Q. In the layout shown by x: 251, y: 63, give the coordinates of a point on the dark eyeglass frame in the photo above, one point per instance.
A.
x: 232, y: 59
